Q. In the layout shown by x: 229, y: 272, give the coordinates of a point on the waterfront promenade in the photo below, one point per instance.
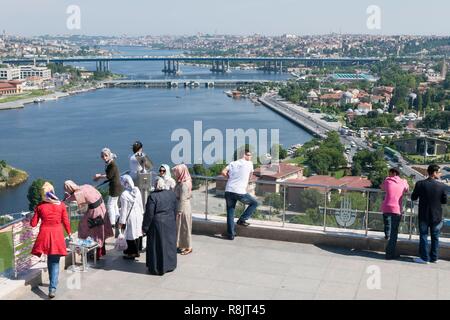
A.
x: 249, y: 268
x: 22, y: 102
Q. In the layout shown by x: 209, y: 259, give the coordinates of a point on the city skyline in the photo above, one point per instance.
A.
x: 233, y: 18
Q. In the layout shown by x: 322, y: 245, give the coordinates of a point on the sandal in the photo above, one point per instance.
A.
x: 186, y: 251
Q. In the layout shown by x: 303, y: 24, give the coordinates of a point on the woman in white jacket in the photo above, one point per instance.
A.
x: 131, y: 216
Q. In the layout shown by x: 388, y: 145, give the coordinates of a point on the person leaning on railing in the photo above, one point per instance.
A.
x: 395, y: 187
x: 50, y: 240
x: 432, y: 195
x: 238, y: 174
x: 115, y: 189
x: 95, y: 222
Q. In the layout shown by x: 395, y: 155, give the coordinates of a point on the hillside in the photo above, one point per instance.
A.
x: 11, y: 177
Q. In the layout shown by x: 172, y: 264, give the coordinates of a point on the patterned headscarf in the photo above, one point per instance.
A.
x: 48, y: 193
x: 181, y: 173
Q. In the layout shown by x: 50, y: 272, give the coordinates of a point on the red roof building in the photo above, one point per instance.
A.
x: 294, y: 192
x: 10, y: 87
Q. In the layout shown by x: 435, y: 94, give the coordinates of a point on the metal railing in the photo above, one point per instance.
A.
x: 296, y: 204
x: 17, y: 238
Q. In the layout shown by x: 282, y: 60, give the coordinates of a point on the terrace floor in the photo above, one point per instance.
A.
x: 249, y: 268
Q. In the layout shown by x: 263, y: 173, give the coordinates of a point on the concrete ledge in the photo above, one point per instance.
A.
x: 315, y: 237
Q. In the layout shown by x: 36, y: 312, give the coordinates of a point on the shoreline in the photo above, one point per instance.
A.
x: 22, y: 177
x: 20, y: 104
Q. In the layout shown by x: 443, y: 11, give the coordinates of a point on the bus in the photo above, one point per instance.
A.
x: 393, y: 154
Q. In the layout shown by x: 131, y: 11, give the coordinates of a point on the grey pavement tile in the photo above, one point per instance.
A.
x: 414, y: 291
x: 343, y: 276
x: 284, y: 294
x: 301, y: 284
x: 309, y: 272
x: 188, y: 284
x: 254, y: 292
x: 336, y: 291
x: 375, y: 294
x: 245, y: 277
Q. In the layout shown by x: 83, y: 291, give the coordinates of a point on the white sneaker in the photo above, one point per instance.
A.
x: 419, y: 260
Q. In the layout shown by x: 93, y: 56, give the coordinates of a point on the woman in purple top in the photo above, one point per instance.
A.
x: 395, y: 187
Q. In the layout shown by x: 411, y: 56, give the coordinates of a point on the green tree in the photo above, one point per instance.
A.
x: 279, y: 150
x: 217, y: 168
x: 310, y: 199
x: 34, y: 195
x: 275, y: 200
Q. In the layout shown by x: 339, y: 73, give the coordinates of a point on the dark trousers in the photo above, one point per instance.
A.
x: 133, y: 247
x: 391, y: 224
x: 435, y: 230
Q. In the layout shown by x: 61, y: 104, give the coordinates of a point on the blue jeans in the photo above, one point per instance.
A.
x: 435, y: 230
x: 231, y: 199
x: 391, y: 223
x: 53, y: 271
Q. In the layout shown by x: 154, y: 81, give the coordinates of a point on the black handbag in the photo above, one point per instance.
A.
x: 95, y: 222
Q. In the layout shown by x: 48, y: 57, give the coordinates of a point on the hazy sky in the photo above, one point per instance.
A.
x: 270, y: 17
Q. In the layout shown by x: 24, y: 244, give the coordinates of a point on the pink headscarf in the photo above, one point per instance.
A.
x: 181, y: 174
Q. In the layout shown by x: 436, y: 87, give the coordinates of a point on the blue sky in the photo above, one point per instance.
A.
x: 269, y: 17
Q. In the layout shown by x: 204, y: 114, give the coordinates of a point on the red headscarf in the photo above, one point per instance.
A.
x: 181, y: 174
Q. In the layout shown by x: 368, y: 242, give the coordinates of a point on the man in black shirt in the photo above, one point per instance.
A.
x: 432, y: 195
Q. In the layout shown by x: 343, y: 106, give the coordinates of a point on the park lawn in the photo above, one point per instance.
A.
x: 339, y: 174
x: 32, y: 94
x: 6, y: 259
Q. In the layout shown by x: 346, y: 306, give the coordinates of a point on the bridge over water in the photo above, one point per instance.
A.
x: 218, y: 64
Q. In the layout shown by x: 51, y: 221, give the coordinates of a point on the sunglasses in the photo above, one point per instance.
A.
x: 162, y: 170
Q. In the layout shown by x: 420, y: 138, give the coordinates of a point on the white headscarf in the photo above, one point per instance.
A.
x: 131, y: 192
x: 108, y: 152
x: 160, y: 184
x: 167, y: 178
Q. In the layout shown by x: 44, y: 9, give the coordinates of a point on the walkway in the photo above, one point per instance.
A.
x: 248, y: 268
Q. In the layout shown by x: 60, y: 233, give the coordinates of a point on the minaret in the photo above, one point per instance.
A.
x: 444, y: 69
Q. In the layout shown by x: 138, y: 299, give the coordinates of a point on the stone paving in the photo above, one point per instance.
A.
x: 248, y: 268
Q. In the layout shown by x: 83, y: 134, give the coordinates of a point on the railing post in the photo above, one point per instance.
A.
x: 325, y: 211
x: 411, y: 219
x: 366, y: 216
x: 284, y: 204
x: 14, y: 252
x: 206, y: 199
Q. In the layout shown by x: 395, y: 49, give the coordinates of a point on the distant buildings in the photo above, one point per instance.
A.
x: 9, y: 73
x: 10, y: 87
x: 35, y: 71
x: 435, y: 77
x: 314, y: 182
x: 24, y: 72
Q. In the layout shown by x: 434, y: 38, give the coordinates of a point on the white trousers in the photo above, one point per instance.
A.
x: 112, y: 207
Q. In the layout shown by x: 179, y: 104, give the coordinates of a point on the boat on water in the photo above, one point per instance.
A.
x: 38, y: 100
x: 228, y: 93
x: 236, y: 94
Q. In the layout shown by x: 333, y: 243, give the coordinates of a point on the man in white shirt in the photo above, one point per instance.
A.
x: 238, y: 174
